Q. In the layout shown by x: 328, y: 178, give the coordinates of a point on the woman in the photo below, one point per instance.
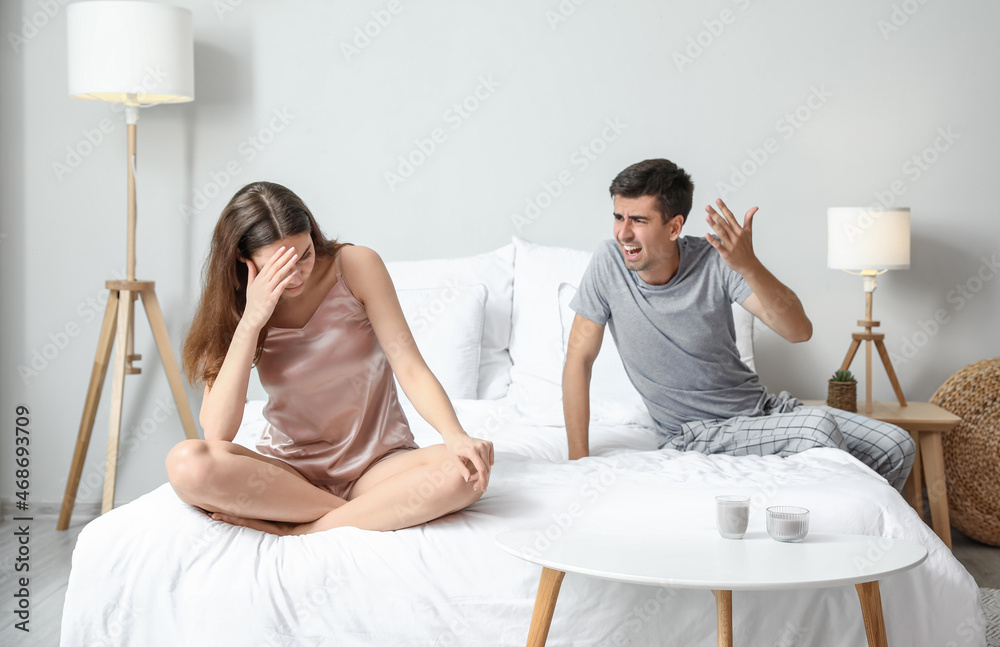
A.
x: 314, y: 317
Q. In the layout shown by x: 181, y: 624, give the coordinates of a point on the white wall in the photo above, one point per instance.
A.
x: 869, y: 95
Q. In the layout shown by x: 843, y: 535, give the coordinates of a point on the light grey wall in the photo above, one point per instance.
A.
x: 849, y: 93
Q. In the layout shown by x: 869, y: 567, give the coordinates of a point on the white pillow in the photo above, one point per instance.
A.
x: 608, y: 379
x: 447, y: 325
x: 536, y: 334
x: 493, y: 269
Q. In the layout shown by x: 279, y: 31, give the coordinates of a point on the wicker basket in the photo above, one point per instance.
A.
x: 972, y: 450
x: 843, y: 395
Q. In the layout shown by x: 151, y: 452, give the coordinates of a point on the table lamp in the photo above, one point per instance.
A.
x: 137, y: 54
x: 869, y: 242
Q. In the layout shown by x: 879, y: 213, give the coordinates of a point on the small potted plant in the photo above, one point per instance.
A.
x: 843, y: 391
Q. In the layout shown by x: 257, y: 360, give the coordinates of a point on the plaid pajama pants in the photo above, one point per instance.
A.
x: 787, y: 427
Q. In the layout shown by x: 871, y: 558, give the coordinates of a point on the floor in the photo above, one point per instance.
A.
x: 979, y: 559
x: 51, y: 551
x: 49, y: 563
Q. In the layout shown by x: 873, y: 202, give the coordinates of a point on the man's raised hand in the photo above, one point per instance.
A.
x: 735, y: 242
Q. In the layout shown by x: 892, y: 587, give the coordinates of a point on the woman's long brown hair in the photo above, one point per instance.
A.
x: 259, y: 214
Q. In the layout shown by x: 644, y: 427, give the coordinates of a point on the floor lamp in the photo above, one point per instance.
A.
x: 137, y: 54
x: 869, y: 242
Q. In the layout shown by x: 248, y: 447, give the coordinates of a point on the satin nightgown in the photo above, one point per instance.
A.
x: 332, y: 408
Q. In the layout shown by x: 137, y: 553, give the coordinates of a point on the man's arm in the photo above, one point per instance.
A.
x: 784, y: 314
x: 772, y: 301
x: 585, y: 339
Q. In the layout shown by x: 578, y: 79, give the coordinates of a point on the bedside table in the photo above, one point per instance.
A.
x: 927, y: 423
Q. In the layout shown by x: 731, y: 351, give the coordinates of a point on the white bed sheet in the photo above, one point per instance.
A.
x: 614, y: 429
x: 158, y: 572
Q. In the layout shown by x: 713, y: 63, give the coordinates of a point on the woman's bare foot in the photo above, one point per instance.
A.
x: 273, y: 527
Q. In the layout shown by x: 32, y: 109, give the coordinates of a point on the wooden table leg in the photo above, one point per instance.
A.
x: 724, y: 617
x: 932, y: 452
x: 871, y: 610
x: 545, y: 605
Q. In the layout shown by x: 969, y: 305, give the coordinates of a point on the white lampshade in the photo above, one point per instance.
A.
x: 136, y: 53
x: 861, y: 239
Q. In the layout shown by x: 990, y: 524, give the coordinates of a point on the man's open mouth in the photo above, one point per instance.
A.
x: 631, y: 251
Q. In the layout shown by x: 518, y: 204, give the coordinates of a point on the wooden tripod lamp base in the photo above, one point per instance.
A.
x: 112, y: 46
x: 869, y: 338
x: 118, y: 329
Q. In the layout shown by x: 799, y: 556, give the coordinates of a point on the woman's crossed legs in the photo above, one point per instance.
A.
x: 237, y: 485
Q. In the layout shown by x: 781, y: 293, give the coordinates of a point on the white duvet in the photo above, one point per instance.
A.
x: 158, y: 572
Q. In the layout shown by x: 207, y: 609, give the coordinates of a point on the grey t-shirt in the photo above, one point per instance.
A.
x: 678, y: 340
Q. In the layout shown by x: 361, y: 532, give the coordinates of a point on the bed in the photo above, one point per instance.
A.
x: 493, y: 327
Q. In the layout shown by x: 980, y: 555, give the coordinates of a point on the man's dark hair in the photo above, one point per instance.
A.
x: 661, y: 178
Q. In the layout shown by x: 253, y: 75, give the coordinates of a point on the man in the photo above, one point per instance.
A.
x: 668, y: 301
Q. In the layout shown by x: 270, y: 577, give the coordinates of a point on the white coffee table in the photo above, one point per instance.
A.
x: 754, y: 563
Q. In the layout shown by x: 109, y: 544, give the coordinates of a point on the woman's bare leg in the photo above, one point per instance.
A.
x: 401, y: 491
x: 220, y: 476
